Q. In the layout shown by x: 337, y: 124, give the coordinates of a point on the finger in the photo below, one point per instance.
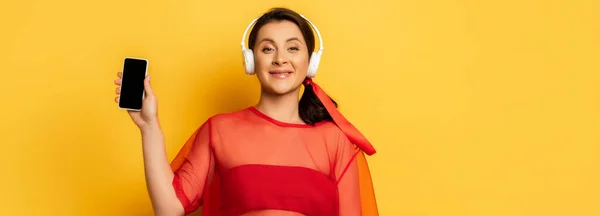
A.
x: 147, y: 86
x: 119, y: 74
x: 118, y: 82
x: 117, y: 99
x: 118, y: 91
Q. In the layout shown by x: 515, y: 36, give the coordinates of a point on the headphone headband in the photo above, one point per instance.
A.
x: 309, y: 22
x: 246, y: 31
x: 316, y: 30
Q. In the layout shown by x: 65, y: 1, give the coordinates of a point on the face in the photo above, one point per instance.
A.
x: 281, y: 57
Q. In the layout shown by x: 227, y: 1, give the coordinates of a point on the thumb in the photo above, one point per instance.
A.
x: 147, y: 86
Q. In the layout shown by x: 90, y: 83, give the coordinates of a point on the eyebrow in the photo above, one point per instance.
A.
x: 288, y: 40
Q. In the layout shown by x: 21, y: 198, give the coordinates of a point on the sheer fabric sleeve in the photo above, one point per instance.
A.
x: 347, y: 177
x: 194, y: 168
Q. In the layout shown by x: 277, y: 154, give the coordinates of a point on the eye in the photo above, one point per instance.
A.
x: 266, y: 49
x: 294, y: 48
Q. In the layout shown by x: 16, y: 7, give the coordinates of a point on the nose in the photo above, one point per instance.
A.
x: 279, y: 59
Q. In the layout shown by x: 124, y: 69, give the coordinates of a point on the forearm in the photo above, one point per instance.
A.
x: 159, y: 175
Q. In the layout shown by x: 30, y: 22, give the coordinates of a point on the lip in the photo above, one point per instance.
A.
x: 281, y: 73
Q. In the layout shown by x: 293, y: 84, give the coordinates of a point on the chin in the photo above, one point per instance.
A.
x: 281, y: 88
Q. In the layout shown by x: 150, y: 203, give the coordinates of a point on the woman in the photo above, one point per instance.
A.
x: 279, y: 157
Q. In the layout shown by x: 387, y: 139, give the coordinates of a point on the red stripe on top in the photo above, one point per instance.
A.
x: 299, y: 189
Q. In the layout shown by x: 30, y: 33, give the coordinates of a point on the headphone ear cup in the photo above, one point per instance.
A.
x: 313, y: 65
x: 248, y: 61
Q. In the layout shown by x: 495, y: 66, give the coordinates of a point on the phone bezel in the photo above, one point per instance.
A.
x: 122, y: 82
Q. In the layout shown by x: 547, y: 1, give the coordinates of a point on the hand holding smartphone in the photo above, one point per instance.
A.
x: 132, y: 83
x: 135, y: 93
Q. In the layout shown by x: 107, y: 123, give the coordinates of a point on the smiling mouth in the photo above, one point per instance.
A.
x: 281, y: 74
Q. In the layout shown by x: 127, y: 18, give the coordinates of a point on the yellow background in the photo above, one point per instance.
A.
x: 475, y: 107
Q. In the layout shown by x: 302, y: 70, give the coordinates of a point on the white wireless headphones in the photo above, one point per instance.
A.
x: 313, y: 64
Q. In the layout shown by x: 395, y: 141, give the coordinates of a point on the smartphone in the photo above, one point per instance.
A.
x: 132, y: 83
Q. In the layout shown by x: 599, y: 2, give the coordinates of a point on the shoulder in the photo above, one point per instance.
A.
x: 328, y: 128
x: 228, y: 119
x: 332, y: 132
x: 337, y: 142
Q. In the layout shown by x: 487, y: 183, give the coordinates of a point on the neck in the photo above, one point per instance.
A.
x: 282, y: 108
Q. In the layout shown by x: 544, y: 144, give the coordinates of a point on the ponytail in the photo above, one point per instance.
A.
x: 311, y: 109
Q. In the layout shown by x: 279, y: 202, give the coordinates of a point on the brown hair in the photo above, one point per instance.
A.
x: 310, y: 108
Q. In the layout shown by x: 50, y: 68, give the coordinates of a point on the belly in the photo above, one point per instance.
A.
x: 272, y: 212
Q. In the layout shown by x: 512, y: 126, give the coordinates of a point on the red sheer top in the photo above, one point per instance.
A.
x: 251, y: 164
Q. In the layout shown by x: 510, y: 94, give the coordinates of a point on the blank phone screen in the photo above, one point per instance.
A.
x: 132, y: 83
